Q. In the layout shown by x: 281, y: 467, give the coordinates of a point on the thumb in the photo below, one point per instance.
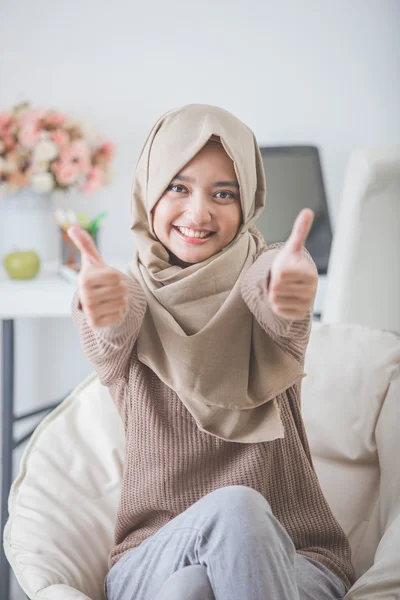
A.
x: 300, y: 231
x: 86, y: 246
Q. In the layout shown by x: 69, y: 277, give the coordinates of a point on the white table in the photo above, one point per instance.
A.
x: 48, y: 295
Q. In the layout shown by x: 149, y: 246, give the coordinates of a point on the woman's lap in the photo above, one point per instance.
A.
x: 231, y: 557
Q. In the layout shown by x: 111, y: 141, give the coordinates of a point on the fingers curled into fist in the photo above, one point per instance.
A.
x: 103, y: 292
x: 104, y: 296
x: 293, y: 278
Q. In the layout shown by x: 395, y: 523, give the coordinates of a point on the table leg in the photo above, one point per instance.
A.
x: 7, y: 444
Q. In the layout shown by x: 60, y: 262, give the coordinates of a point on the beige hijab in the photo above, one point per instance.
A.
x: 198, y: 335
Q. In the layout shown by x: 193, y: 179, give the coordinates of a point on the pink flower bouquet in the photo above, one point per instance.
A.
x: 47, y: 151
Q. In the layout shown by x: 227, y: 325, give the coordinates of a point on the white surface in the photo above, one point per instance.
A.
x: 47, y: 295
x: 69, y: 482
x: 320, y: 295
x: 322, y: 72
x: 26, y: 222
x: 364, y: 267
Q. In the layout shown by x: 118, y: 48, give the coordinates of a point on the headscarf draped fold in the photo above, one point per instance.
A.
x: 198, y: 335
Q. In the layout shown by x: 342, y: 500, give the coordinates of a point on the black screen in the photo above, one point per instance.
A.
x: 294, y: 181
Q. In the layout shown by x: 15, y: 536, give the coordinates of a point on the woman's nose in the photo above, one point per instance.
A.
x: 199, y: 208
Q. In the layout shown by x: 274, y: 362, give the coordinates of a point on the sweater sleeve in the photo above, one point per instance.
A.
x: 109, y: 348
x: 291, y: 334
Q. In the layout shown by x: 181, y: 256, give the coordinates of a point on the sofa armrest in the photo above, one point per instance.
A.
x: 60, y: 592
x: 382, y: 580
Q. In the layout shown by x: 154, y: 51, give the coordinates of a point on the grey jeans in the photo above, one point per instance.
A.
x: 226, y: 546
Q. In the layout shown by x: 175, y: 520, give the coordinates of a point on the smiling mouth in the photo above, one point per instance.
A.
x: 195, y: 234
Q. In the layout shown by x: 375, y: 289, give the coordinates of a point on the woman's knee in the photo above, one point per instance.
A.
x: 188, y: 583
x: 238, y: 504
x: 241, y: 519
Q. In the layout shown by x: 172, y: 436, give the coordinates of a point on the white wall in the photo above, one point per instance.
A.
x: 323, y: 72
x: 318, y: 71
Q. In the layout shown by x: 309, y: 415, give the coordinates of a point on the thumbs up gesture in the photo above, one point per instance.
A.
x: 102, y: 291
x: 293, y: 278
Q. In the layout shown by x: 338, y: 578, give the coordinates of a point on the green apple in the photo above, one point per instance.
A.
x: 22, y: 265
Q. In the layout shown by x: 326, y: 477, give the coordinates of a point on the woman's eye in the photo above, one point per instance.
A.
x: 176, y: 188
x: 225, y: 195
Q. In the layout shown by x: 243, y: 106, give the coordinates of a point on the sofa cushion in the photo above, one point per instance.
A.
x: 63, y: 503
x: 349, y: 370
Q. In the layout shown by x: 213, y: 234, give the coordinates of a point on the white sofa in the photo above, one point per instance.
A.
x: 363, y: 283
x: 64, y: 500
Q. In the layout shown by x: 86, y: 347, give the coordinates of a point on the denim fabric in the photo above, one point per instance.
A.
x: 226, y: 546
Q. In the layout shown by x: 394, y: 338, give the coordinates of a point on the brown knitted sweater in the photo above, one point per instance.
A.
x: 170, y: 463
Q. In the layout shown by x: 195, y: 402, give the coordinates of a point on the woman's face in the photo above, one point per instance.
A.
x: 200, y: 212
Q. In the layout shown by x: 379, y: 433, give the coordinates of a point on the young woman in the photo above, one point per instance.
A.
x: 202, y: 347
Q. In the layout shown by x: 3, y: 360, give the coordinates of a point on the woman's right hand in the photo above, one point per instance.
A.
x: 103, y: 293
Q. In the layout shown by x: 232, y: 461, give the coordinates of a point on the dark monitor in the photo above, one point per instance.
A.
x: 294, y: 181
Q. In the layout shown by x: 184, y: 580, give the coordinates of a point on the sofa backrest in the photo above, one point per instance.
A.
x: 349, y: 369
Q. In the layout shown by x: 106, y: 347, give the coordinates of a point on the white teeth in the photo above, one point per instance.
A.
x: 192, y: 233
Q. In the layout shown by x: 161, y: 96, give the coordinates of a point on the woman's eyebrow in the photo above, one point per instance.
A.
x: 184, y: 178
x: 226, y: 183
x: 180, y: 177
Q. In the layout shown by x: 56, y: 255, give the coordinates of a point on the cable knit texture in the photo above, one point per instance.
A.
x: 170, y: 463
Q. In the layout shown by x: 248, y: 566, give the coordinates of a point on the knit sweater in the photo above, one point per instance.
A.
x: 170, y: 464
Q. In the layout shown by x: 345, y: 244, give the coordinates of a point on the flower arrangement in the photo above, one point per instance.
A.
x: 47, y: 151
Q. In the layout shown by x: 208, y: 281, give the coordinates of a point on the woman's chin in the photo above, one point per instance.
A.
x: 185, y: 259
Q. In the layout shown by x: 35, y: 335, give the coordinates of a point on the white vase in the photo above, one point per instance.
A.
x: 27, y: 223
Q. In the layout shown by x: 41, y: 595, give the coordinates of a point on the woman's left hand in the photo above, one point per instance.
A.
x: 293, y: 279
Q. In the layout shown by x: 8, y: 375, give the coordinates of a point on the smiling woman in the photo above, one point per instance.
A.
x: 199, y: 214
x: 204, y: 360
